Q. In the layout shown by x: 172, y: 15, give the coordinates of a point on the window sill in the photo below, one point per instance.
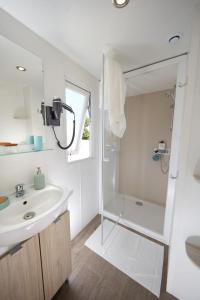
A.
x: 80, y: 160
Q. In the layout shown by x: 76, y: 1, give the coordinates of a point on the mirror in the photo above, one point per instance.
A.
x: 21, y: 94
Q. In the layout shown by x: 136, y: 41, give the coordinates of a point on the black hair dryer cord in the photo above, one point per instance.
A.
x: 72, y: 139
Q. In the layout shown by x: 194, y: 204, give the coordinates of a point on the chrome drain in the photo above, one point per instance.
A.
x: 139, y: 203
x: 29, y: 215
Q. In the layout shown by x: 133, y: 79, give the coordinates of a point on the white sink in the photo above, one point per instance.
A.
x: 30, y: 214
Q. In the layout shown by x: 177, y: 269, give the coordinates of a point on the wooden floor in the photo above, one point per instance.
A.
x: 93, y: 278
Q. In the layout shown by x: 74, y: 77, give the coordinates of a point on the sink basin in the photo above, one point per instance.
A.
x: 30, y: 214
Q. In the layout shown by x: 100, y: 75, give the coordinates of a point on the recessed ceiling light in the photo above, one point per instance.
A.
x: 120, y: 3
x: 20, y: 68
x: 173, y: 40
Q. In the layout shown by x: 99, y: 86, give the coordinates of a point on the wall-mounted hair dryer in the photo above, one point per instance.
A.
x: 51, y: 117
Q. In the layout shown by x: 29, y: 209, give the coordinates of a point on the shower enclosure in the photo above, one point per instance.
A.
x: 125, y: 191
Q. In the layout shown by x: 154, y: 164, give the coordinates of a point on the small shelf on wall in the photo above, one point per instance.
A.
x: 160, y: 152
x: 24, y: 152
x: 196, y: 173
x: 197, y: 177
x: 192, y: 245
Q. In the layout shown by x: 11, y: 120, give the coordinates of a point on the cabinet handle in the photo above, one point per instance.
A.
x: 14, y: 250
x: 56, y: 220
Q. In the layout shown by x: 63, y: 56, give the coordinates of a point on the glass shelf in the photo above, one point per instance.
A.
x: 24, y: 152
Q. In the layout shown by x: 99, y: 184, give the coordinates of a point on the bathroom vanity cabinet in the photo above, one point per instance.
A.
x: 38, y: 267
x: 20, y: 272
x: 55, y: 255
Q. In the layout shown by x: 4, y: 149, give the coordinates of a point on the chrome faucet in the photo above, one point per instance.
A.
x: 19, y: 189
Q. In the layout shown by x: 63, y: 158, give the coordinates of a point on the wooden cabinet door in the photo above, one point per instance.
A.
x: 55, y: 255
x: 20, y: 272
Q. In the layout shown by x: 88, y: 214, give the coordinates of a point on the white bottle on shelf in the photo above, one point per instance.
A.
x: 161, y: 146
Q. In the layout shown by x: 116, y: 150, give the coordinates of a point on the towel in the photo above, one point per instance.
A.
x: 114, y: 93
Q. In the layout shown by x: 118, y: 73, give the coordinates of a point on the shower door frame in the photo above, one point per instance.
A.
x: 101, y: 163
x: 181, y: 83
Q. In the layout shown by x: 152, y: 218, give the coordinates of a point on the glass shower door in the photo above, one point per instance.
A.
x: 112, y: 204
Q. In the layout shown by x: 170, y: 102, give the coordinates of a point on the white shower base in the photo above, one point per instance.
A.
x: 147, y: 219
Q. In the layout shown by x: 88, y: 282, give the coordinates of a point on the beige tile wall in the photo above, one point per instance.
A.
x: 148, y: 121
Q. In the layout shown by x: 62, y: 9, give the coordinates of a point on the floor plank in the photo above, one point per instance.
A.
x: 93, y: 278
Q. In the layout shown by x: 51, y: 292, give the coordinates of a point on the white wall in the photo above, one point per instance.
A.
x: 183, y: 276
x: 82, y: 177
x: 12, y: 129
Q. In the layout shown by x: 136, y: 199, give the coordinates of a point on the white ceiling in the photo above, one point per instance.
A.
x: 13, y: 55
x: 82, y: 28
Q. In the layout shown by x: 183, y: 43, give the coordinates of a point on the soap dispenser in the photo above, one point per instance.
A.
x: 39, y: 180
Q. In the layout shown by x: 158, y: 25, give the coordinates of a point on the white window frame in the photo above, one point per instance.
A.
x: 87, y: 94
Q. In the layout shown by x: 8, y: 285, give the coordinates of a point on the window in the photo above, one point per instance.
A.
x: 79, y: 100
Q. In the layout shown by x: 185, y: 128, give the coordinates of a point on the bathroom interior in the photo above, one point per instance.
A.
x: 99, y: 150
